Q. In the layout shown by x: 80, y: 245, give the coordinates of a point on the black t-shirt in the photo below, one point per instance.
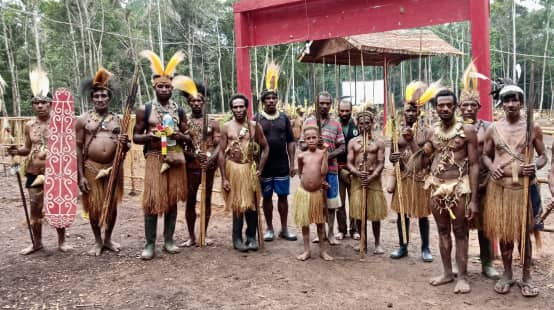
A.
x: 350, y: 131
x: 278, y: 134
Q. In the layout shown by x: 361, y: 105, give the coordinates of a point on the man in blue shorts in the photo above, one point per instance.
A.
x: 280, y: 163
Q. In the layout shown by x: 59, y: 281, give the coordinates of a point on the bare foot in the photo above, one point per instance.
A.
x: 356, y: 236
x: 326, y: 256
x: 462, y: 286
x: 333, y: 241
x: 339, y: 236
x: 30, y: 249
x: 440, y: 280
x: 304, y: 256
x: 112, y: 246
x: 378, y: 250
x: 96, y: 250
x: 315, y: 239
x: 188, y: 243
x: 63, y: 247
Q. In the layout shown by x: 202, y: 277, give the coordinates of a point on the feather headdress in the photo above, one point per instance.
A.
x: 414, y: 90
x: 470, y: 81
x: 271, y: 80
x: 429, y: 93
x: 186, y: 85
x: 159, y: 73
x: 40, y: 85
x: 101, y: 80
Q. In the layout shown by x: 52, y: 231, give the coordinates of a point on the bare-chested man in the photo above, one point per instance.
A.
x: 415, y: 197
x: 198, y: 160
x: 98, y: 134
x: 241, y: 141
x: 503, y: 215
x: 165, y: 176
x: 469, y: 107
x: 453, y: 182
x: 309, y: 198
x: 36, y: 141
x: 366, y: 162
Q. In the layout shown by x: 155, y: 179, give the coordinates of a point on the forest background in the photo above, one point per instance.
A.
x: 71, y: 39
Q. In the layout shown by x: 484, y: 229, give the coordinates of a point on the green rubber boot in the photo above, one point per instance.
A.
x: 170, y: 220
x: 150, y: 223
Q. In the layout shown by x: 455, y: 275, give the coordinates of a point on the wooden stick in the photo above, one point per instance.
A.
x: 203, y: 148
x: 363, y: 220
x: 107, y: 205
x: 397, y: 171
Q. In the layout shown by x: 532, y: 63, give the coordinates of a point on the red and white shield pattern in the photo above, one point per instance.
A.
x: 61, y: 187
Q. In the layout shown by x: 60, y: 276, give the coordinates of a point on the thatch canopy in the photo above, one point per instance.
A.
x: 396, y: 46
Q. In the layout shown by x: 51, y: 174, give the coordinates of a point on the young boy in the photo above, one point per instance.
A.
x: 309, y: 199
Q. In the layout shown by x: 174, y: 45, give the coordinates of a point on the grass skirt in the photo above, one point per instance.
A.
x: 94, y: 200
x: 245, y: 187
x: 415, y: 198
x: 503, y: 210
x: 376, y: 204
x: 308, y: 207
x: 162, y: 191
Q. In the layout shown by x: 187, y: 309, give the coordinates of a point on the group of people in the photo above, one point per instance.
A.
x: 467, y: 172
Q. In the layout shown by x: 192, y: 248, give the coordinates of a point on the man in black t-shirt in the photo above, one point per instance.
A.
x: 280, y: 163
x: 350, y: 131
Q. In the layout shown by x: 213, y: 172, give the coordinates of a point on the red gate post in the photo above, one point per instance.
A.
x: 242, y: 44
x: 480, y: 51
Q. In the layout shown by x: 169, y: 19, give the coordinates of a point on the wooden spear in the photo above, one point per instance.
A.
x: 363, y: 220
x: 203, y: 178
x: 108, y: 204
x: 397, y: 172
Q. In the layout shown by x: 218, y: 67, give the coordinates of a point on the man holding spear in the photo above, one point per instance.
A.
x: 98, y: 134
x: 509, y: 144
x: 366, y: 156
x: 415, y: 198
x: 241, y: 141
x: 202, y: 156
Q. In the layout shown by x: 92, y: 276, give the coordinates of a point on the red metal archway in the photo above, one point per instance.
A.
x: 270, y: 22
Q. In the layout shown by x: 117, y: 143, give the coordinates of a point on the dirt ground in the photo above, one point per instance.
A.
x: 219, y: 277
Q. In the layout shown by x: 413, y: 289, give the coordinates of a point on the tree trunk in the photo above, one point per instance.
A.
x: 514, y: 75
x: 547, y: 30
x: 75, y: 54
x: 37, y: 36
x: 16, y: 99
x: 219, y: 68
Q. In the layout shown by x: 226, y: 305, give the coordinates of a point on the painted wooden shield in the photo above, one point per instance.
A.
x: 61, y: 187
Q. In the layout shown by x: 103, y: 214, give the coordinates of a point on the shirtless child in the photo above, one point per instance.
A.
x: 309, y: 198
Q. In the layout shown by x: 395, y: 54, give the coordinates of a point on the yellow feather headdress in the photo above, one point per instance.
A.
x: 470, y: 80
x: 159, y: 73
x: 429, y: 93
x: 40, y: 85
x: 272, y: 77
x: 185, y: 84
x: 414, y: 90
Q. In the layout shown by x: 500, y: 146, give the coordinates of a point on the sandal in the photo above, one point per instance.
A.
x: 503, y: 286
x: 528, y: 289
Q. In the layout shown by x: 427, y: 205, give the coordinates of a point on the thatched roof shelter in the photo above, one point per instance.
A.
x: 396, y: 46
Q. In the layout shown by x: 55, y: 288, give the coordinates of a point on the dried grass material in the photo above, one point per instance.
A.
x: 242, y: 196
x: 162, y: 191
x: 376, y: 203
x: 503, y: 208
x: 94, y: 200
x: 308, y: 207
x: 416, y: 198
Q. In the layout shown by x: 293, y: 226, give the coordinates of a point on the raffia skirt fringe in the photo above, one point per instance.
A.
x: 308, y: 207
x: 415, y: 198
x: 162, y: 191
x: 245, y: 188
x: 94, y: 200
x: 502, y: 215
x: 376, y: 203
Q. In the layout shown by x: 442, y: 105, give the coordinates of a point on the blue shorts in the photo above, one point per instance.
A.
x: 333, y: 197
x: 281, y: 186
